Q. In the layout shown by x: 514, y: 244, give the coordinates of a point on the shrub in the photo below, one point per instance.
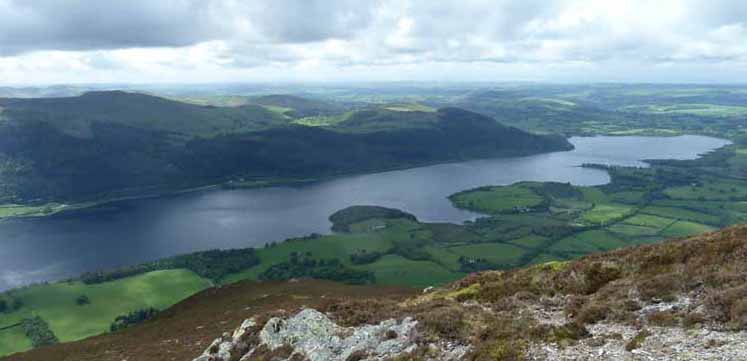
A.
x: 82, y: 300
x: 693, y: 319
x: 663, y: 318
x: 571, y: 331
x: 443, y: 322
x: 213, y: 264
x: 663, y: 287
x: 363, y: 257
x: 38, y: 331
x: 729, y: 305
x: 502, y: 350
x: 637, y: 340
x: 331, y: 269
x: 592, y: 313
x: 133, y: 318
x: 598, y: 274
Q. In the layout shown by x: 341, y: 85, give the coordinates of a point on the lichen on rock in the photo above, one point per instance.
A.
x: 311, y: 335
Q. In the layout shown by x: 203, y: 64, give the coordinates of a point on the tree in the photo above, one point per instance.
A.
x: 82, y: 300
x: 3, y: 306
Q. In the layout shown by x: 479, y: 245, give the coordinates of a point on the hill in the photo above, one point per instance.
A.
x: 107, y: 144
x: 681, y: 299
x: 77, y: 115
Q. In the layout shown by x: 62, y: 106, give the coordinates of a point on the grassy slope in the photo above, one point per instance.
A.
x: 184, y: 330
x: 56, y: 304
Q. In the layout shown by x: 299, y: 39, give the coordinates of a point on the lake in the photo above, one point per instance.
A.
x: 130, y: 232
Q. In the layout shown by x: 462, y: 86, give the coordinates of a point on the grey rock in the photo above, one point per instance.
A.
x: 313, y: 334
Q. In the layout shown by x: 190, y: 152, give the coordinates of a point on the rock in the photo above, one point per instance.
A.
x: 314, y: 335
x: 311, y: 335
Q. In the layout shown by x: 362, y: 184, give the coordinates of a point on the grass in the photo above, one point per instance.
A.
x: 588, y: 242
x: 493, y: 252
x: 409, y: 107
x: 679, y: 213
x: 56, y: 304
x: 531, y: 241
x: 685, y: 228
x: 493, y: 200
x: 13, y: 340
x: 707, y: 110
x: 319, y: 121
x: 400, y: 271
x: 444, y: 257
x: 606, y: 213
x: 711, y: 189
x: 633, y: 231
x: 646, y: 220
x: 16, y: 210
x: 339, y: 246
x: 594, y: 195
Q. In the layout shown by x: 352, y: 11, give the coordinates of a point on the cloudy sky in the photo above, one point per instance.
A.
x: 86, y: 41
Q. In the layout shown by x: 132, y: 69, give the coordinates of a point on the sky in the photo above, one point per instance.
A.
x: 203, y: 41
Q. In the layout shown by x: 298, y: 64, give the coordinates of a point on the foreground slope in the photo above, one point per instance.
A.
x: 681, y: 299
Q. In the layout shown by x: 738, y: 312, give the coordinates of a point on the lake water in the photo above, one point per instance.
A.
x: 130, y: 232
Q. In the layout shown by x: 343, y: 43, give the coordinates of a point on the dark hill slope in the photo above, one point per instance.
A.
x: 313, y: 151
x: 83, y: 147
x: 76, y: 115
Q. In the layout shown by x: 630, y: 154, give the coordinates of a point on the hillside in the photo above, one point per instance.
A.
x: 106, y: 144
x: 681, y: 299
x: 77, y: 115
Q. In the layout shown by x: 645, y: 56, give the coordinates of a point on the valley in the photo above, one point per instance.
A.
x: 521, y: 224
x: 241, y: 201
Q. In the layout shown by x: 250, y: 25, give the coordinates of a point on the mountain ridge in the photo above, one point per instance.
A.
x: 105, y: 142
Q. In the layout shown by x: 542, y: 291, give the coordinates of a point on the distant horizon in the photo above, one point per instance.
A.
x: 365, y: 83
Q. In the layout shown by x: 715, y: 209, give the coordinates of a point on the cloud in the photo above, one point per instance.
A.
x: 114, y: 24
x: 303, y: 39
x: 292, y: 21
x: 88, y: 24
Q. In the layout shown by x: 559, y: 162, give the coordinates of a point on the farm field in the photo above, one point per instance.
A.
x: 56, y: 303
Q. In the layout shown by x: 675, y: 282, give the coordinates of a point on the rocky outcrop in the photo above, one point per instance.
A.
x: 312, y: 335
x: 679, y: 300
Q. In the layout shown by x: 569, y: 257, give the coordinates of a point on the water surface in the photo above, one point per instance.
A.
x: 130, y: 232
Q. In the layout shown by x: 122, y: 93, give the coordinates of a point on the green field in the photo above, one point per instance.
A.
x: 531, y: 241
x: 55, y: 303
x: 684, y: 228
x: 606, y: 213
x: 13, y: 340
x: 706, y: 110
x: 494, y: 252
x: 497, y: 199
x: 680, y: 213
x: 587, y: 242
x: 710, y: 189
x: 409, y: 107
x: 396, y: 270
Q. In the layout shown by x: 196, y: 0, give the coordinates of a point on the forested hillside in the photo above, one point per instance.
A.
x: 106, y: 142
